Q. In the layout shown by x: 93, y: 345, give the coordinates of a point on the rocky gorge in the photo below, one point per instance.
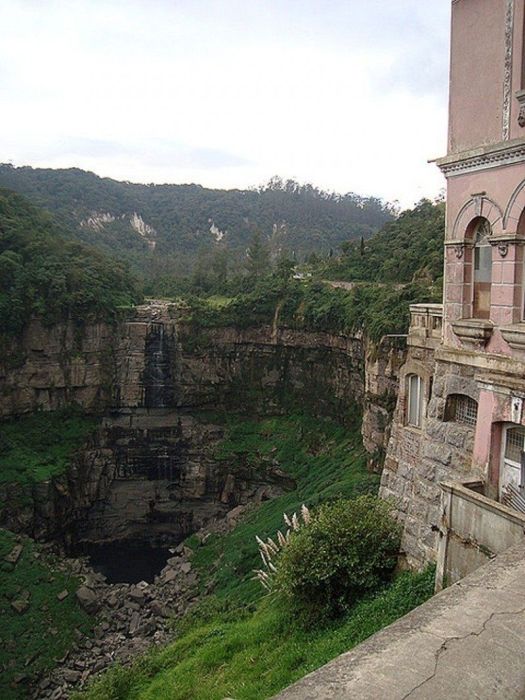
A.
x: 150, y: 473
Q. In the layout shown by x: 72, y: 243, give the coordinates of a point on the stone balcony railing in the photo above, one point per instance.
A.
x: 426, y: 325
x: 474, y: 528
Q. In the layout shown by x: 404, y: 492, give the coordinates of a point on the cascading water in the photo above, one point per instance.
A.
x: 158, y: 373
x: 149, y: 453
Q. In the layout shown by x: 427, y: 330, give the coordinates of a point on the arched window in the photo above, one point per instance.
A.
x: 461, y: 409
x: 482, y: 268
x: 414, y: 400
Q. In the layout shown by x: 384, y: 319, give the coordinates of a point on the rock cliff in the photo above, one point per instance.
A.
x: 150, y: 466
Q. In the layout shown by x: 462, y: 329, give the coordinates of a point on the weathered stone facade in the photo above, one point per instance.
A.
x: 469, y: 383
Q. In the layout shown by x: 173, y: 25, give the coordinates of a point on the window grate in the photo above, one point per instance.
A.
x: 462, y: 409
x: 514, y: 444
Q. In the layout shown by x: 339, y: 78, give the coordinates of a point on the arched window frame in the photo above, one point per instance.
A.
x: 479, y: 231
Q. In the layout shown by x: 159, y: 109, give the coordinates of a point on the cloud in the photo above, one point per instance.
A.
x: 150, y: 152
x: 346, y: 94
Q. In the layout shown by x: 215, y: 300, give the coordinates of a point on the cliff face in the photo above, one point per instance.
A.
x: 150, y: 467
x: 150, y: 361
x: 382, y: 365
x: 50, y: 367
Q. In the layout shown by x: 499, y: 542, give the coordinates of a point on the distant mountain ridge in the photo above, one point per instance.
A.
x: 160, y: 228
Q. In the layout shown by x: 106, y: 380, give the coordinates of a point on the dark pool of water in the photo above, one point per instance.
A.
x: 126, y: 562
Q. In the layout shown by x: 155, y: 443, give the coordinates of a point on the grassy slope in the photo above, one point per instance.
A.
x: 45, y: 631
x: 239, y: 643
x: 327, y: 462
x: 40, y: 446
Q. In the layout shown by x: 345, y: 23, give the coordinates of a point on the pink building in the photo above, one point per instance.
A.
x: 460, y: 417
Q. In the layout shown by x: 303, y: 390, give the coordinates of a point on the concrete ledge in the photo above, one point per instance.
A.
x: 466, y: 642
x: 489, y: 504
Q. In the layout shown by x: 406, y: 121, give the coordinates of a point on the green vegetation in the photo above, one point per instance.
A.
x: 238, y: 643
x: 37, y: 447
x: 43, y: 274
x: 327, y: 462
x: 315, y: 306
x: 400, y: 265
x: 411, y: 247
x: 347, y: 551
x: 43, y: 628
x: 298, y: 219
x: 253, y: 656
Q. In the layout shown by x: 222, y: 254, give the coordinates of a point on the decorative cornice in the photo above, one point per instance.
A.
x: 461, y: 242
x: 509, y: 238
x: 482, y: 159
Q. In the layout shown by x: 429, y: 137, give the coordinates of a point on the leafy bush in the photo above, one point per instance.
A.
x: 348, y: 550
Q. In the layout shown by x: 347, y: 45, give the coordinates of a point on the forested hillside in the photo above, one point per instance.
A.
x: 165, y: 229
x: 409, y: 248
x: 44, y: 274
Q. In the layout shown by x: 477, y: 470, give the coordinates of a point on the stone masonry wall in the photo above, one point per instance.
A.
x: 419, y: 459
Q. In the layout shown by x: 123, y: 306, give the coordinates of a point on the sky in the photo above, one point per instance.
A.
x: 350, y: 95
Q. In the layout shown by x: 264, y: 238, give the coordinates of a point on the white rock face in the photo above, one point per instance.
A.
x: 143, y: 229
x: 97, y: 220
x: 216, y: 232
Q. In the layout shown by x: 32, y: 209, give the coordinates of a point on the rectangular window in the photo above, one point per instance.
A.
x: 464, y: 410
x: 415, y: 400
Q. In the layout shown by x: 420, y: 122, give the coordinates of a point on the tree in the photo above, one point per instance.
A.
x: 257, y: 257
x: 284, y: 268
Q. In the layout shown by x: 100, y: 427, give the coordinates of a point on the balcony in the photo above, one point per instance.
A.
x: 474, y: 528
x: 426, y: 325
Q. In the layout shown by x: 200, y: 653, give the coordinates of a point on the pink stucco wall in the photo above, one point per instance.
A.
x: 499, y: 187
x: 482, y: 440
x: 518, y: 82
x: 476, y: 74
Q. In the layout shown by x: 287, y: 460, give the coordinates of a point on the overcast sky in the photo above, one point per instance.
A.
x: 350, y: 95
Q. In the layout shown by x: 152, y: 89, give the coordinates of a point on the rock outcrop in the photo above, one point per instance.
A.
x: 150, y: 467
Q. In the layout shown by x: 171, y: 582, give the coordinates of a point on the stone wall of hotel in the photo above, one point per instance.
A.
x: 418, y: 460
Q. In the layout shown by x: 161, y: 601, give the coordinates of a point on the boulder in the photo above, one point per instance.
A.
x: 135, y: 623
x: 169, y: 576
x: 71, y: 676
x: 14, y: 554
x: 88, y: 599
x: 20, y: 605
x: 137, y: 596
x: 159, y: 609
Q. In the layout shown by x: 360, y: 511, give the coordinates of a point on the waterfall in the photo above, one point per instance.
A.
x: 158, y: 374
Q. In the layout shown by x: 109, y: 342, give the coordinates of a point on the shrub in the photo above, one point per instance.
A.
x: 349, y: 549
